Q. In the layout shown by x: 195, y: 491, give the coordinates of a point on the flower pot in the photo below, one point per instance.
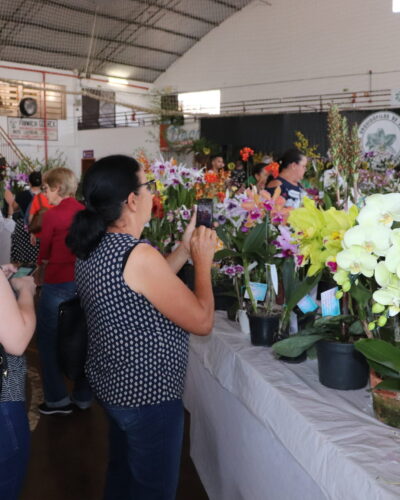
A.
x: 223, y: 302
x: 232, y: 310
x: 386, y: 403
x: 243, y: 321
x: 341, y: 366
x: 263, y: 329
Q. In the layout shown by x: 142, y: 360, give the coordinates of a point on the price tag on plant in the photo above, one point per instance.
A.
x: 307, y: 304
x: 259, y: 291
x: 274, y: 277
x: 329, y: 303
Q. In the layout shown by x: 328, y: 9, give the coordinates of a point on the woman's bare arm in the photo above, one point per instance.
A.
x: 148, y: 273
x: 17, y: 315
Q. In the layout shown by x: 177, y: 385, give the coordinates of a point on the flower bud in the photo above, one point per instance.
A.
x: 382, y: 320
x: 339, y: 294
x: 378, y: 308
x: 371, y: 326
x: 346, y: 286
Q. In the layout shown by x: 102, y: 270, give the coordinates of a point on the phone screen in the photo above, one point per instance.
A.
x: 23, y: 271
x: 204, y: 215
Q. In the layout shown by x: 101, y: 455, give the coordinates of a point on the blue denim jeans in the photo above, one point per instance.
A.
x: 144, y: 451
x: 55, y: 391
x: 14, y: 448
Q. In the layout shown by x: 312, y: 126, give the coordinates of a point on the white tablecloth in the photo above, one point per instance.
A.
x: 262, y: 429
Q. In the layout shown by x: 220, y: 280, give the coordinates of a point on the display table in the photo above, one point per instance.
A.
x: 262, y: 429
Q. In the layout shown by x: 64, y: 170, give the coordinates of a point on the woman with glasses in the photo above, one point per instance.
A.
x: 59, y: 187
x: 139, y: 315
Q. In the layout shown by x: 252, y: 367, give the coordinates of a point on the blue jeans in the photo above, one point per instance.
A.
x: 144, y: 451
x: 55, y: 391
x: 14, y: 448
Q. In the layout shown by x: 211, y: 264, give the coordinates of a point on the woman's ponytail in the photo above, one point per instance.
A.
x: 85, y: 233
x: 106, y: 186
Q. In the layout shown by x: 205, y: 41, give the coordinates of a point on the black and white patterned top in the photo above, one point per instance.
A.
x: 136, y: 356
x: 13, y: 388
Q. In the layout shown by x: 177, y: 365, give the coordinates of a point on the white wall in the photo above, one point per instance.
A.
x: 70, y: 141
x: 294, y: 48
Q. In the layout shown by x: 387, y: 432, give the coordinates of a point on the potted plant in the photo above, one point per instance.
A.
x: 248, y: 225
x: 384, y: 360
x: 318, y: 234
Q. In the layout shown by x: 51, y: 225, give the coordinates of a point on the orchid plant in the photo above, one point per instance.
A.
x: 248, y: 225
x: 172, y: 210
x: 371, y: 255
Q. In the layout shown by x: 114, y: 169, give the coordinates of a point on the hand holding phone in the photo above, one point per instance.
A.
x: 23, y: 271
x: 204, y: 215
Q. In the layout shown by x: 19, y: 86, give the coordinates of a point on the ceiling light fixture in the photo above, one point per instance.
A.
x: 117, y: 81
x: 396, y: 6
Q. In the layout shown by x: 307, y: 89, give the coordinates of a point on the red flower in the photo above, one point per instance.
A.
x: 211, y: 177
x: 221, y: 196
x: 245, y: 153
x: 273, y: 169
x: 158, y: 209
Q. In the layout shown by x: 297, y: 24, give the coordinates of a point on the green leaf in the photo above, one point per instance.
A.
x: 383, y: 370
x: 327, y: 201
x: 223, y: 254
x: 360, y: 294
x: 381, y: 352
x: 295, y: 345
x: 389, y: 384
x: 356, y: 328
x: 255, y: 239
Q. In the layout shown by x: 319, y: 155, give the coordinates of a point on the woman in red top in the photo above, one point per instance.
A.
x: 59, y: 186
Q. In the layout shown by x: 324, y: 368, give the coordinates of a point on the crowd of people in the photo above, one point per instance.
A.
x: 137, y: 328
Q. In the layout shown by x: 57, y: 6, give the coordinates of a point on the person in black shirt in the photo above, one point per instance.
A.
x: 21, y: 248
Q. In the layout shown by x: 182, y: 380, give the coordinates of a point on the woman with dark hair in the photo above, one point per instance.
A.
x: 138, y: 314
x: 21, y: 248
x: 292, y: 167
x: 259, y: 176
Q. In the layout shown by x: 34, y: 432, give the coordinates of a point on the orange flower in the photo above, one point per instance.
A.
x: 273, y: 168
x: 211, y: 177
x: 245, y: 153
x: 221, y: 196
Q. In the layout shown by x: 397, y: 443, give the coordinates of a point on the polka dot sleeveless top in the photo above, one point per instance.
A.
x: 136, y: 356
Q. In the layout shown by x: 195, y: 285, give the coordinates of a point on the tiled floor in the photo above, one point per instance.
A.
x: 68, y: 455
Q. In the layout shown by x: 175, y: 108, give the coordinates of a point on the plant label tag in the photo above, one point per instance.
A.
x: 259, y: 291
x: 307, y: 304
x: 274, y: 277
x: 293, y: 325
x: 329, y: 303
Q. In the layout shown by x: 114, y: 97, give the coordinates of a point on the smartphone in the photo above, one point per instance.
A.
x: 204, y: 216
x: 23, y: 271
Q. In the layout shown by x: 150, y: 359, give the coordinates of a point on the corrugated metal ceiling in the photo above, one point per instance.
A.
x: 127, y: 38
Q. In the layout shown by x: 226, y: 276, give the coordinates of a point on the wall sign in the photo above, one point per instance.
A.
x: 380, y: 133
x: 177, y: 137
x: 88, y: 154
x: 32, y: 129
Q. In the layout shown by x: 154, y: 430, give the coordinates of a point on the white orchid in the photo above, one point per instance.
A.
x: 375, y: 239
x: 389, y: 296
x: 380, y: 209
x: 392, y: 260
x: 357, y: 260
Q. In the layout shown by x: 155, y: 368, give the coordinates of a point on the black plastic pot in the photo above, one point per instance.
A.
x: 263, y: 329
x: 340, y: 366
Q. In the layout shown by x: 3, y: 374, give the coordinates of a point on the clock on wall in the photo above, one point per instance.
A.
x: 28, y: 106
